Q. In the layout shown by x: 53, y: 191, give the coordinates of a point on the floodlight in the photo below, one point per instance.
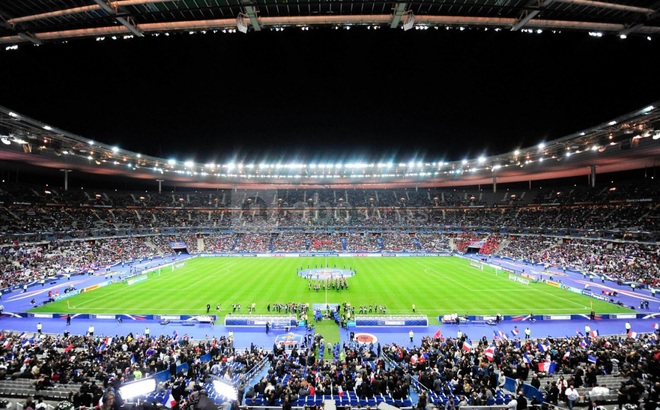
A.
x: 137, y: 389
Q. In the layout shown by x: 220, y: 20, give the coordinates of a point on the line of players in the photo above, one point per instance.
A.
x: 299, y: 308
x: 332, y: 283
x: 371, y: 309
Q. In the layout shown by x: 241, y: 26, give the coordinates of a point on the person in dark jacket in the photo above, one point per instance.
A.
x: 204, y: 402
x: 522, y: 401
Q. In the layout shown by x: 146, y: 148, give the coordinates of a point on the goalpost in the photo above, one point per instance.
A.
x: 156, y: 271
x: 486, y: 267
x: 176, y: 265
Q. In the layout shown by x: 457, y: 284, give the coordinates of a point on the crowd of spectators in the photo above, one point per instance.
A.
x: 490, y: 244
x: 442, y: 369
x: 433, y: 242
x: 464, y: 240
x: 351, y: 369
x: 31, y: 263
x: 626, y: 261
x: 415, y: 197
x: 90, y: 366
x: 612, y: 221
x: 475, y: 373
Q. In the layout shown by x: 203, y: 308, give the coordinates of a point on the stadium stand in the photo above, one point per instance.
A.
x: 440, y: 371
x: 586, y: 230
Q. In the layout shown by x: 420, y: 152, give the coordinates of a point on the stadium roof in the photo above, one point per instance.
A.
x: 37, y: 21
x: 631, y: 141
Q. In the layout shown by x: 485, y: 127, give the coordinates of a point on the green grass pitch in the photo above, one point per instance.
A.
x: 436, y: 285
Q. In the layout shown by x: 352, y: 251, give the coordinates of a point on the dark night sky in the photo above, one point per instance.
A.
x: 324, y: 93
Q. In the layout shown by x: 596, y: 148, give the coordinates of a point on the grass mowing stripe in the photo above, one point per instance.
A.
x: 447, y: 277
x: 436, y: 285
x: 551, y: 295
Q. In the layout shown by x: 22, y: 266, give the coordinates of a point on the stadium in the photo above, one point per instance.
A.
x: 323, y: 271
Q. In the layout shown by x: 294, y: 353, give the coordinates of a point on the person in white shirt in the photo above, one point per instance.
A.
x: 571, y: 396
x: 512, y: 405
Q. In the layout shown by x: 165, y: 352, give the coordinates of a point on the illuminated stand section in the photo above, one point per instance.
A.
x: 138, y: 389
x: 219, y: 390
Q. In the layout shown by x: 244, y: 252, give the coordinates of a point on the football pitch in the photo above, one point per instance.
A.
x: 436, y: 285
